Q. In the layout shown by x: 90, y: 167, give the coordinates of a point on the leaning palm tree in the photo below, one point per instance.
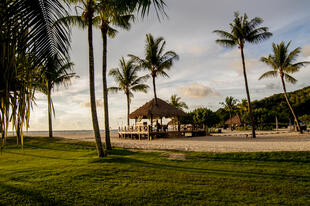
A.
x: 244, y: 30
x: 55, y: 73
x: 282, y: 64
x: 128, y: 81
x: 230, y: 107
x: 176, y: 102
x: 156, y: 60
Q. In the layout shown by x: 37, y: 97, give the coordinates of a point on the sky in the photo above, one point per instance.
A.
x: 205, y: 74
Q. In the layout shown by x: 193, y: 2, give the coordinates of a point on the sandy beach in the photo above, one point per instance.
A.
x: 266, y: 141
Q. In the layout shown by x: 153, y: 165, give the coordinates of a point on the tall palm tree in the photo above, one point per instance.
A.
x: 110, y: 15
x: 230, y: 106
x: 283, y: 64
x: 176, y: 102
x: 55, y: 73
x: 156, y: 60
x: 128, y: 81
x: 244, y: 30
x: 90, y: 9
x: 86, y: 20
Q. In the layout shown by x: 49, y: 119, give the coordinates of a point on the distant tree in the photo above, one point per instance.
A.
x: 156, y: 61
x: 56, y: 72
x: 243, y: 110
x: 176, y: 102
x: 205, y: 117
x: 126, y: 76
x: 244, y: 30
x: 282, y: 64
x: 230, y: 106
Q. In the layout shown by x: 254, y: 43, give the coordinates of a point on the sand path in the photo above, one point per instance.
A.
x: 225, y: 142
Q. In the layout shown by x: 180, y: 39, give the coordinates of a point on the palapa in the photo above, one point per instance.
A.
x: 159, y: 110
x: 235, y: 120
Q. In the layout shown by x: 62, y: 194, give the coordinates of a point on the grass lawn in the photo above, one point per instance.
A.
x: 65, y: 172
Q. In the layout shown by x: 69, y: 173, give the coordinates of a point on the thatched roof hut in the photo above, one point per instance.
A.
x: 235, y: 120
x: 159, y: 110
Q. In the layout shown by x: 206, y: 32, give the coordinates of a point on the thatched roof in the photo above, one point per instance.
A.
x: 162, y: 109
x: 235, y: 120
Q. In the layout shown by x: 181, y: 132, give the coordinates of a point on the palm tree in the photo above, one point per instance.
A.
x: 128, y: 81
x: 28, y: 38
x: 55, y: 74
x: 110, y: 15
x: 176, y: 102
x: 86, y: 20
x: 282, y: 63
x: 243, y: 109
x: 156, y: 61
x: 230, y: 107
x: 242, y: 31
x: 107, y: 10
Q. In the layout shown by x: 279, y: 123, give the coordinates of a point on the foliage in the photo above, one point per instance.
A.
x: 156, y: 60
x: 176, y: 102
x: 65, y: 172
x: 28, y: 38
x: 204, y: 116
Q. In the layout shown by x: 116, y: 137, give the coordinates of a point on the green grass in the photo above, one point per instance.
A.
x: 63, y: 172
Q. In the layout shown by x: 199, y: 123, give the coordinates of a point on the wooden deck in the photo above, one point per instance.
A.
x: 148, y: 133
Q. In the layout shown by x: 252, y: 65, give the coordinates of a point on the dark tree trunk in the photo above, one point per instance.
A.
x: 49, y: 101
x: 99, y: 147
x: 105, y: 90
x: 289, y: 104
x: 128, y: 108
x: 248, y: 93
x: 154, y: 89
x: 230, y: 121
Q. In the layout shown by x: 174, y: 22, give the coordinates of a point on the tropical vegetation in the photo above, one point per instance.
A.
x: 156, y: 60
x: 128, y: 80
x: 176, y: 102
x: 282, y: 64
x: 230, y: 107
x: 243, y: 30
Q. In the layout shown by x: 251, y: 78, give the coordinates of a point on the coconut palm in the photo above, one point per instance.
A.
x: 55, y: 73
x: 128, y: 81
x: 27, y: 39
x: 176, y: 102
x: 156, y: 60
x: 244, y: 30
x: 230, y: 106
x: 90, y: 9
x: 283, y: 64
x: 110, y: 15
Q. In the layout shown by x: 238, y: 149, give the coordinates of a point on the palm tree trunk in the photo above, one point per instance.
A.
x: 230, y: 121
x: 49, y: 102
x: 248, y: 93
x: 100, y: 150
x: 128, y: 109
x: 289, y: 105
x: 154, y: 88
x: 105, y: 90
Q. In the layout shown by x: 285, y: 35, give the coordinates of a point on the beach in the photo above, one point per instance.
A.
x: 228, y: 141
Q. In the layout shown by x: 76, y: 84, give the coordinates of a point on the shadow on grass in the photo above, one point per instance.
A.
x: 38, y: 156
x: 223, y: 172
x: 32, y: 196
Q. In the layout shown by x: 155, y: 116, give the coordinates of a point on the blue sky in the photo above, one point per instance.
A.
x: 206, y: 72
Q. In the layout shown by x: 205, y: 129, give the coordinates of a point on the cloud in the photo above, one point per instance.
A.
x: 99, y: 103
x: 197, y: 91
x: 272, y: 86
x: 306, y: 51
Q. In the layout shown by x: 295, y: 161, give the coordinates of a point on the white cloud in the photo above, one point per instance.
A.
x: 197, y: 91
x: 99, y: 103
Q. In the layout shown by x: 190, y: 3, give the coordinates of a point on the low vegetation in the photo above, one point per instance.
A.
x: 66, y: 172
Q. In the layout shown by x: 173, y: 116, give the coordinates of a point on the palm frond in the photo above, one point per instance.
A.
x: 290, y: 79
x: 269, y: 74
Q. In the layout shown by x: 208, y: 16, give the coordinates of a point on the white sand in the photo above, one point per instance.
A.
x: 224, y: 142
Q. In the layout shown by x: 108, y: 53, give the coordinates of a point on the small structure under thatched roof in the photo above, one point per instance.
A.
x: 235, y: 120
x: 151, y: 110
